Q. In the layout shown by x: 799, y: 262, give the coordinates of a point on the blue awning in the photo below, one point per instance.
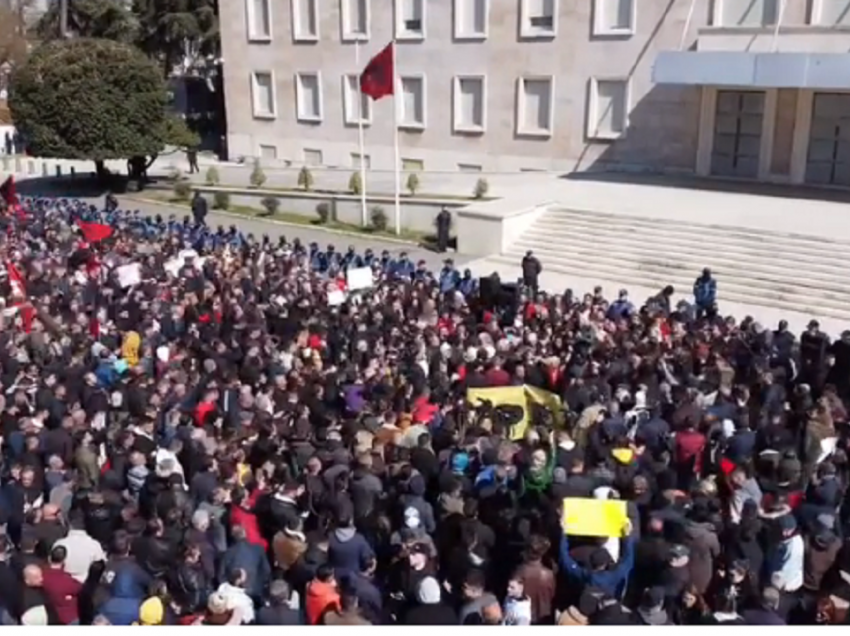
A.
x: 818, y: 71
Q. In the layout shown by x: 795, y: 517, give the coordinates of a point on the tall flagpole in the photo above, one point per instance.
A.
x: 396, y: 89
x: 364, y: 217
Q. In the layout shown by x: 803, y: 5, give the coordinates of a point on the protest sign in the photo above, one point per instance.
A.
x: 359, y: 278
x: 594, y: 517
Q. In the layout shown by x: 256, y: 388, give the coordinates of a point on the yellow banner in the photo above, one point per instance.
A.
x: 594, y: 517
x: 514, y: 403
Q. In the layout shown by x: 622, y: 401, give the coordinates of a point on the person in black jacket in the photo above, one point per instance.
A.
x: 278, y: 611
x: 199, y: 208
x: 190, y: 585
x: 813, y: 347
x: 531, y: 269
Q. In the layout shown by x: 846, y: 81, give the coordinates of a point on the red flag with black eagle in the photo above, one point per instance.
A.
x: 378, y: 78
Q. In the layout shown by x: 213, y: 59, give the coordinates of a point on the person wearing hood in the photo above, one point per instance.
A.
x: 347, y: 548
x: 428, y: 608
x: 415, y: 498
x: 126, y: 598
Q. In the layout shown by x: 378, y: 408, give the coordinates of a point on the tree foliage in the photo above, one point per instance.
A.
x: 14, y: 45
x: 90, y: 99
x: 106, y: 19
x: 169, y: 29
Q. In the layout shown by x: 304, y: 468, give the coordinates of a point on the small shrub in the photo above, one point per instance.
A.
x: 182, y: 190
x: 221, y: 200
x: 258, y: 177
x: 379, y: 219
x: 355, y: 183
x: 413, y: 184
x: 305, y: 178
x: 323, y: 210
x: 481, y: 189
x: 271, y: 205
x: 175, y: 174
x: 213, y: 178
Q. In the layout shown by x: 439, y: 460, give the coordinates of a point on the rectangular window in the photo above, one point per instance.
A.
x: 538, y: 18
x: 355, y: 20
x: 750, y: 13
x: 259, y: 20
x: 263, y: 95
x: 468, y: 167
x: 471, y: 18
x: 410, y: 19
x: 359, y: 161
x: 535, y: 101
x: 412, y: 103
x: 609, y: 109
x: 834, y: 12
x: 614, y: 17
x: 412, y: 165
x: 268, y: 152
x: 312, y: 157
x: 357, y: 107
x: 470, y: 99
x: 308, y: 97
x: 305, y: 20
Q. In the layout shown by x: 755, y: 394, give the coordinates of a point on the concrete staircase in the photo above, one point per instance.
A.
x: 784, y: 271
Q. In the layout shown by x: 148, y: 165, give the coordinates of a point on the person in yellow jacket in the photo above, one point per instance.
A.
x: 130, y: 348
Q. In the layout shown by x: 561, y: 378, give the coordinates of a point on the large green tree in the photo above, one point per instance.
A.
x: 93, y: 99
x: 107, y: 19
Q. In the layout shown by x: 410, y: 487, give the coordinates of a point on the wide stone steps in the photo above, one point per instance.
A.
x: 789, y: 272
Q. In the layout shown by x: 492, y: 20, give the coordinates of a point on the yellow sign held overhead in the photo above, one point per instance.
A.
x: 586, y: 517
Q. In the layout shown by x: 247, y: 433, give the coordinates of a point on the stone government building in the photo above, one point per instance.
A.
x: 748, y: 89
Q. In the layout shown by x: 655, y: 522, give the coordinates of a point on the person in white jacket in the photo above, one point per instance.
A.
x: 237, y: 598
x: 517, y: 606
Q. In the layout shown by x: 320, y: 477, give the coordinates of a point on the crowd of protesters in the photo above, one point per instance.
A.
x: 223, y: 444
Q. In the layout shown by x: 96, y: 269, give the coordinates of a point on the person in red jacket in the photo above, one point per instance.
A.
x: 241, y: 515
x: 60, y: 588
x: 689, y: 448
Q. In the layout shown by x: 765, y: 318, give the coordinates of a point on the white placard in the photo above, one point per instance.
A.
x: 129, y: 275
x: 359, y: 278
x: 336, y: 297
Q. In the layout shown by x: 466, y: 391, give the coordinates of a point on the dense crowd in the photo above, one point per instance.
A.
x: 240, y: 438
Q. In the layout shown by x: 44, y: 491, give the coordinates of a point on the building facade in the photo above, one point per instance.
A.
x: 572, y: 85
